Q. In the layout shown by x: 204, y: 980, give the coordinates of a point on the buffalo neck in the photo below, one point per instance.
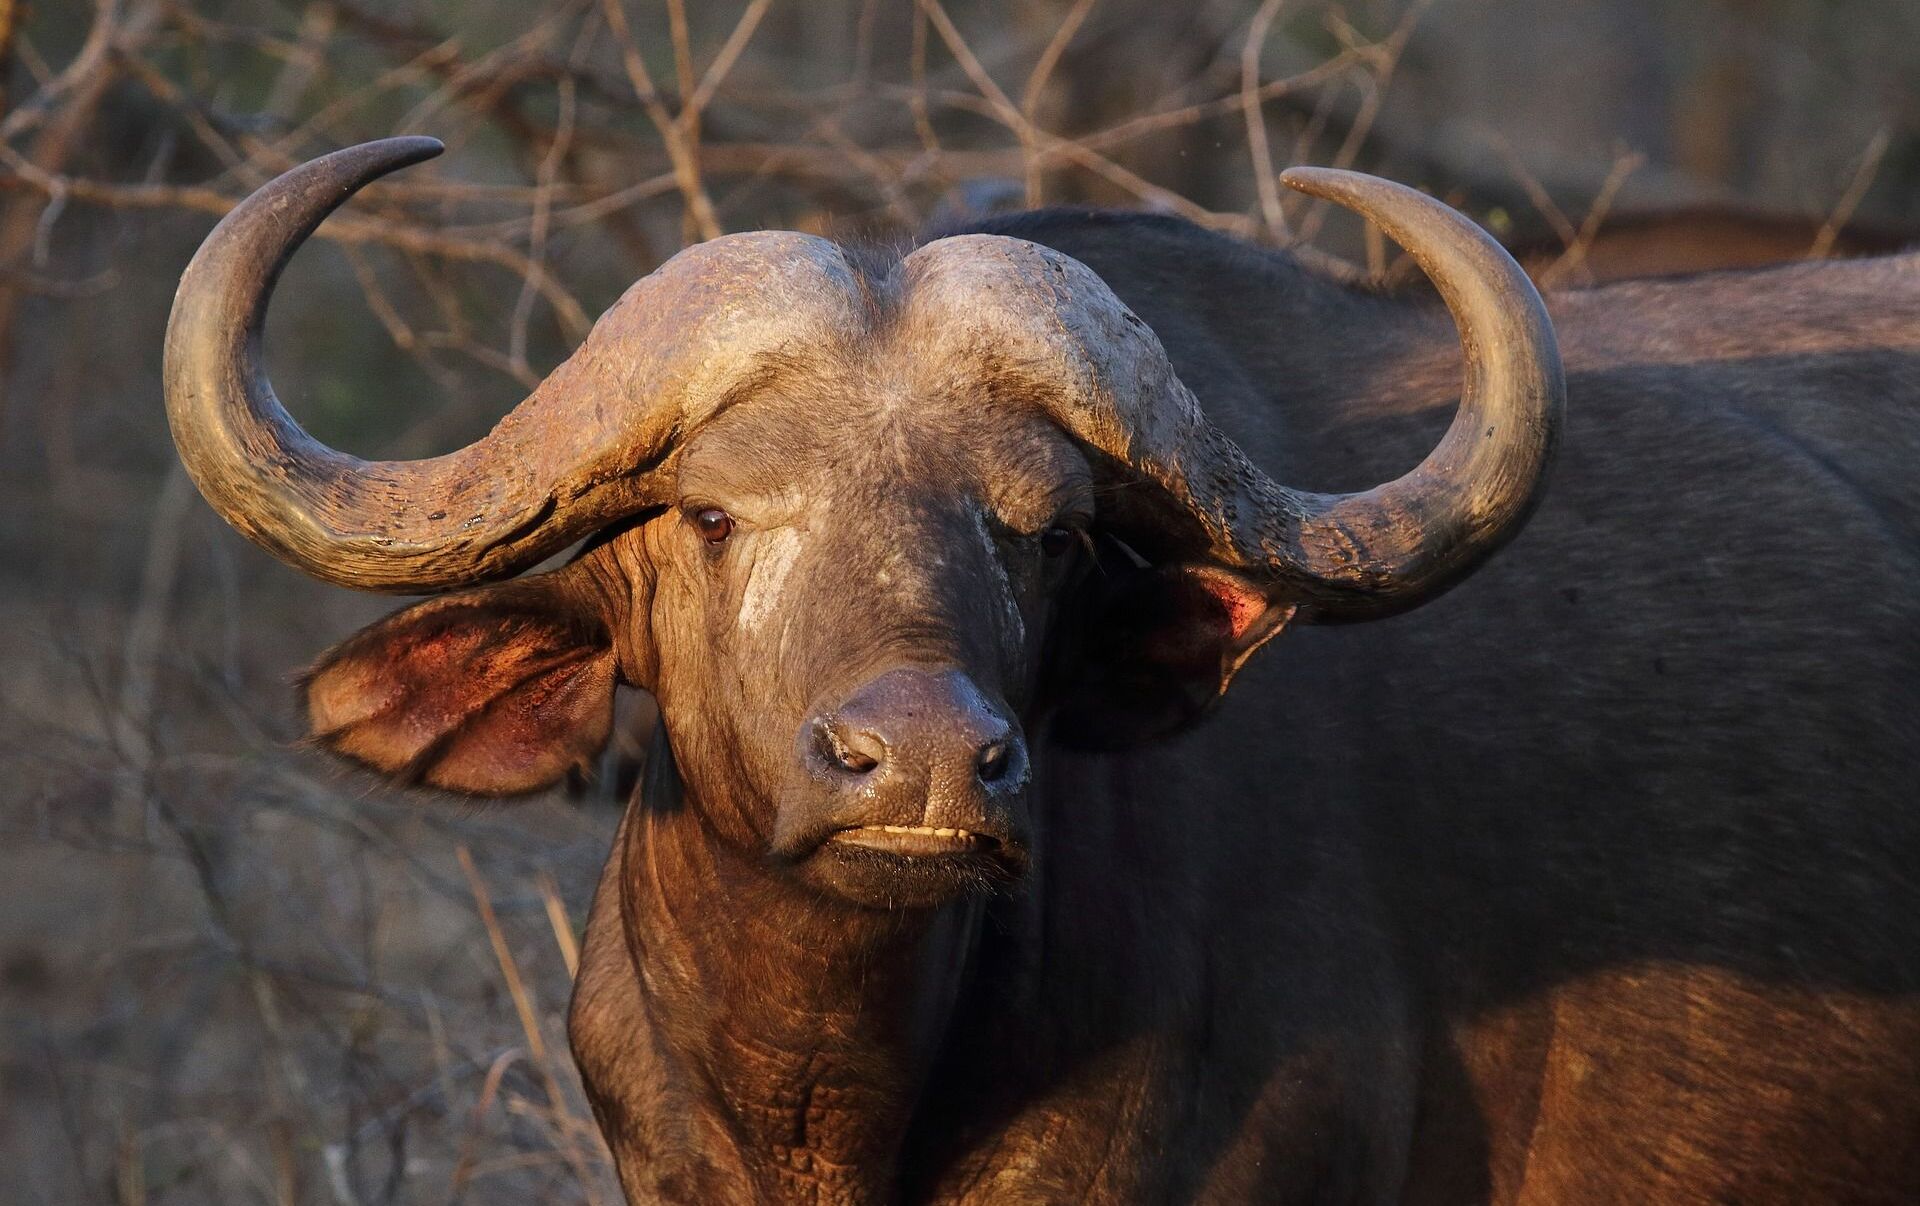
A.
x: 799, y: 1028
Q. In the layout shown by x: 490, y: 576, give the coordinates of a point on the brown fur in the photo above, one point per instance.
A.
x: 1590, y: 882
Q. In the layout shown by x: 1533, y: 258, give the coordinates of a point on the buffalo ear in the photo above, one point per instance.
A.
x: 494, y: 691
x: 1154, y: 647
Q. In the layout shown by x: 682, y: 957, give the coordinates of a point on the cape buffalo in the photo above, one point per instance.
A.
x: 1593, y: 880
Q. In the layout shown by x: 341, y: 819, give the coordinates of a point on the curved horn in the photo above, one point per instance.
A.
x: 1392, y: 547
x: 1345, y: 556
x: 576, y: 454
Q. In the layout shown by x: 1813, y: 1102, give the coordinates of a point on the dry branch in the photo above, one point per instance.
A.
x: 1856, y: 191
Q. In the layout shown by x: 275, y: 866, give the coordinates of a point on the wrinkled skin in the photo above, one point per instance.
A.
x: 943, y: 534
x: 1589, y: 882
x: 941, y: 524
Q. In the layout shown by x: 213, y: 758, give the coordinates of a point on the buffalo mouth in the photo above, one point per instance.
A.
x: 916, y: 841
x: 892, y: 866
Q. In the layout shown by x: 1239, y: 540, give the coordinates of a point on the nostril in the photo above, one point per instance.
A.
x: 992, y: 761
x: 853, y: 760
x: 855, y: 753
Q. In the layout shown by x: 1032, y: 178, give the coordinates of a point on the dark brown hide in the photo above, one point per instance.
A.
x: 1591, y: 880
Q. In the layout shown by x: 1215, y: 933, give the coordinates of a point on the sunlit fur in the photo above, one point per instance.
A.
x: 1590, y: 881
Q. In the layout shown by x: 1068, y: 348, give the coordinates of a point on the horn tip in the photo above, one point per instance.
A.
x: 409, y: 149
x: 1322, y: 181
x: 357, y: 165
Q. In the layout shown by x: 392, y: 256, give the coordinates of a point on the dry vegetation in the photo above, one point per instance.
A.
x: 230, y: 971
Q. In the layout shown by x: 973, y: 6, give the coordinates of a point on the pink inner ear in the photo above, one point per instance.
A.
x: 1242, y: 603
x: 495, y: 692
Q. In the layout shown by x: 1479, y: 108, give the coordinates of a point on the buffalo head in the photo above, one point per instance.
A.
x: 858, y: 529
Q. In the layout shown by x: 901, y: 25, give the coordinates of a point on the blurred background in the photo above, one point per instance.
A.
x: 231, y: 971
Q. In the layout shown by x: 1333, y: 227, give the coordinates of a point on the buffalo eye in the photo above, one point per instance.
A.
x: 1057, y: 540
x: 713, y: 524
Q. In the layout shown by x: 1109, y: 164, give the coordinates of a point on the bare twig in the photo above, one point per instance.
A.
x: 342, y: 228
x: 699, y: 206
x: 1625, y: 164
x: 1146, y: 124
x: 109, y: 21
x: 917, y: 100
x: 306, y: 59
x: 489, y: 1090
x: 1036, y: 88
x: 1384, y: 59
x: 683, y: 64
x: 1264, y: 177
x: 538, y: 224
x: 1563, y: 227
x: 146, y: 638
x: 1000, y: 107
x: 563, y: 935
x: 1856, y: 191
x: 529, y: 1023
x: 1003, y: 106
x: 729, y: 54
x: 583, y: 214
x: 57, y: 115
